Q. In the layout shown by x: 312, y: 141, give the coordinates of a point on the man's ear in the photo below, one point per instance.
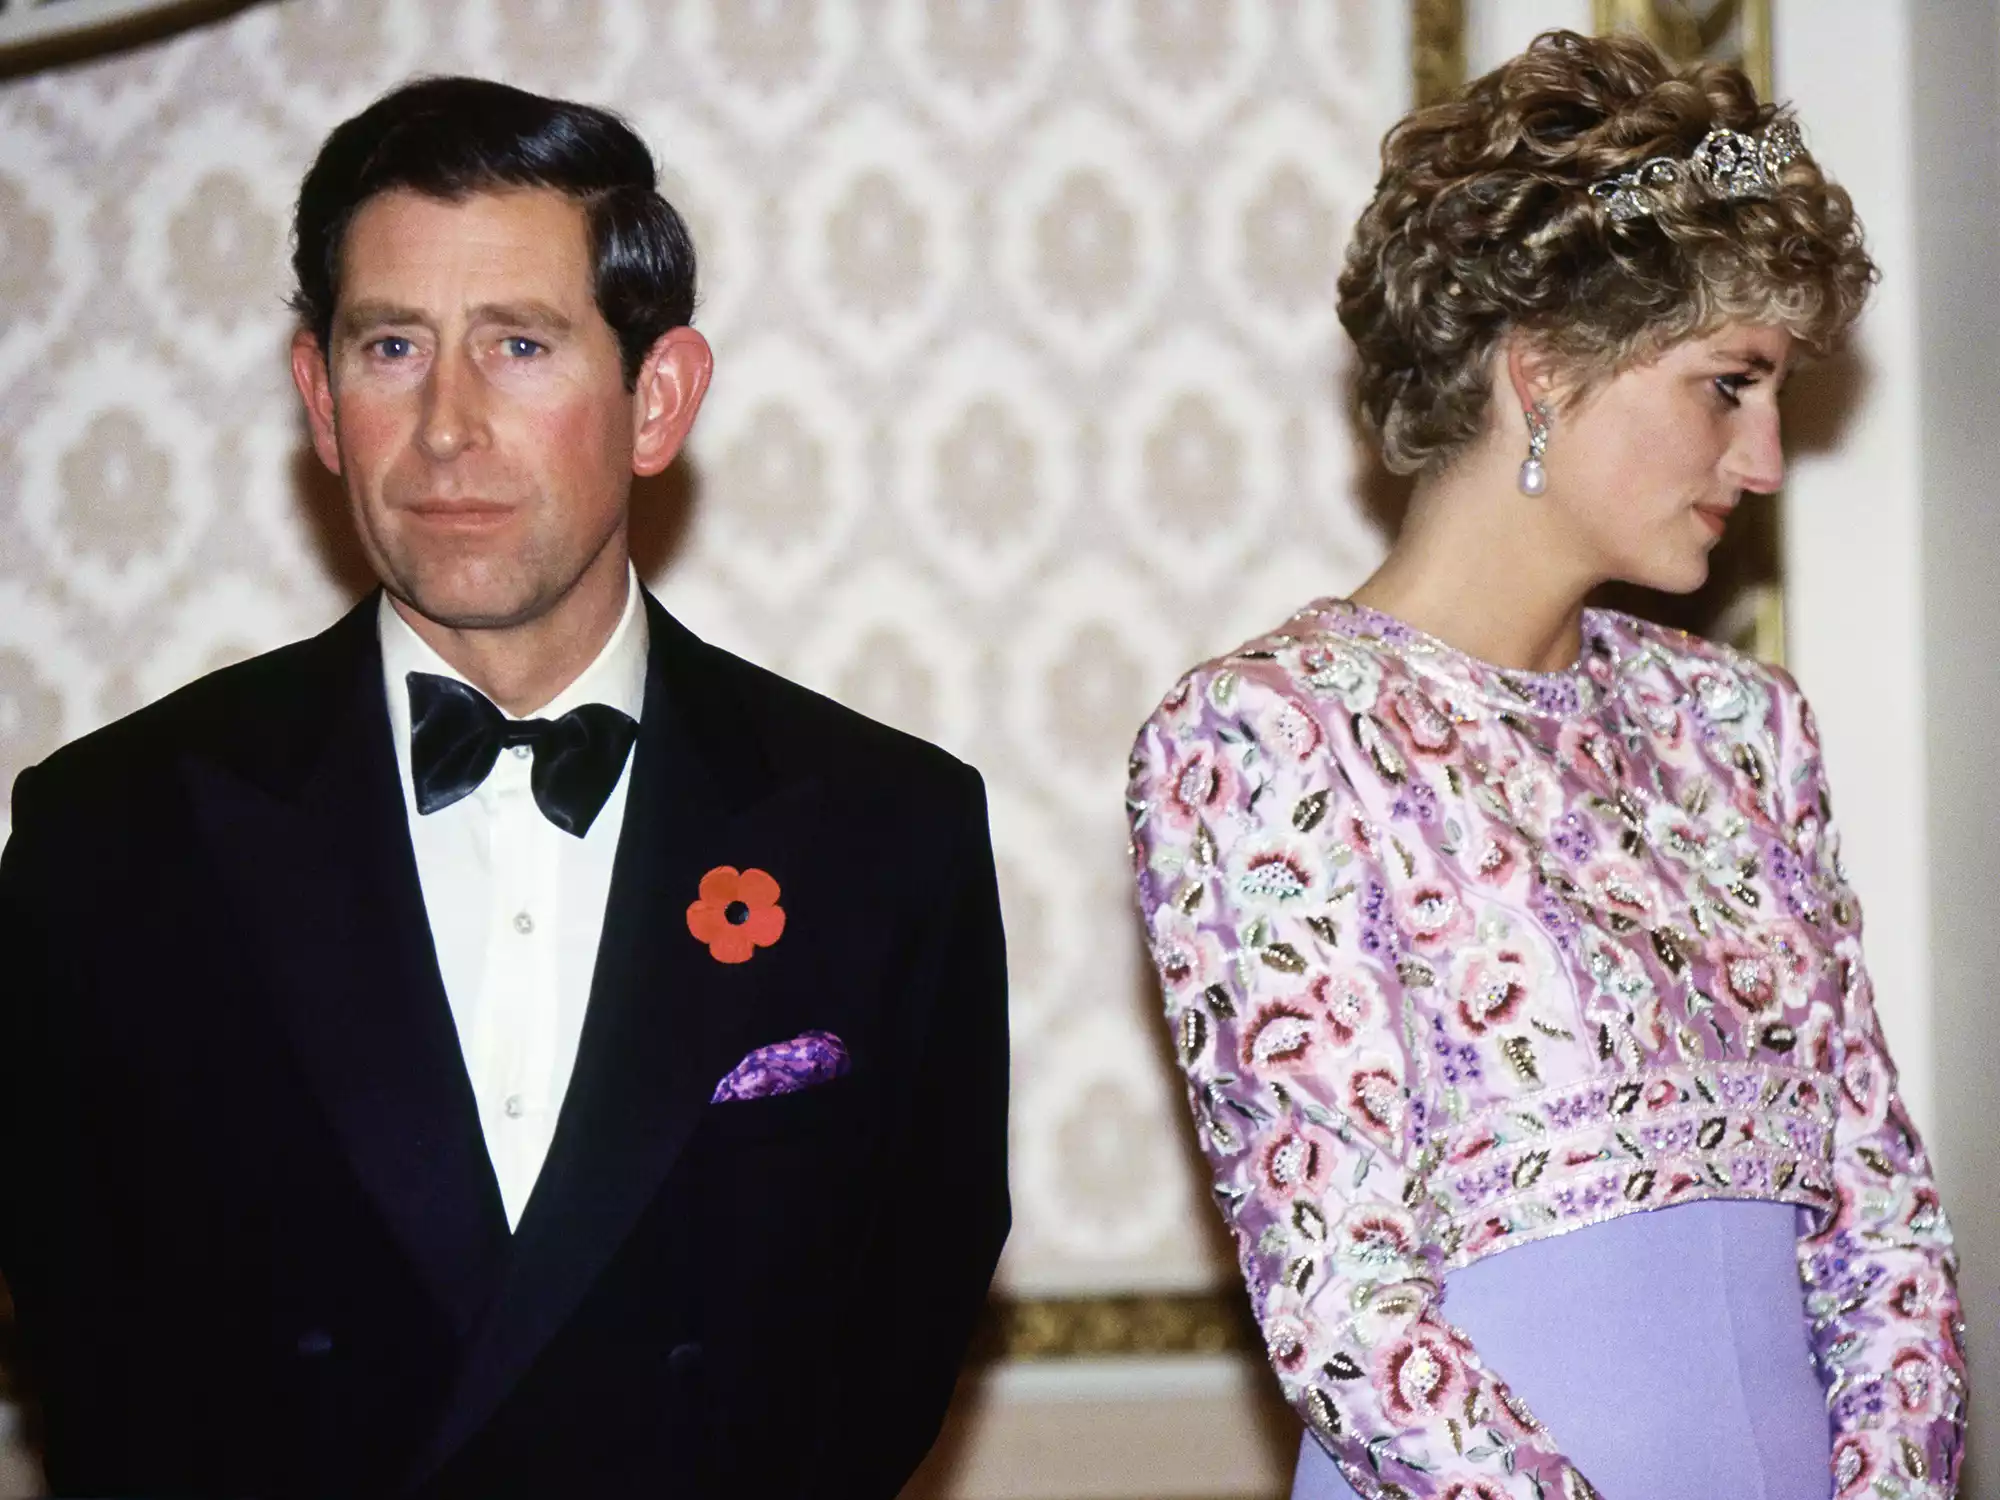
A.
x: 315, y: 386
x: 666, y: 397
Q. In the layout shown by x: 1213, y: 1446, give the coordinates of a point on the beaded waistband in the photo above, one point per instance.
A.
x: 1577, y: 1154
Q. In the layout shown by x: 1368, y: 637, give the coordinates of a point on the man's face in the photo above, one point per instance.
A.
x: 478, y: 411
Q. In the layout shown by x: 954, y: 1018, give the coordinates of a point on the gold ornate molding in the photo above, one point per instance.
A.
x: 38, y: 34
x: 1217, y: 1322
x: 1737, y: 31
x: 1138, y: 1323
x: 1437, y: 48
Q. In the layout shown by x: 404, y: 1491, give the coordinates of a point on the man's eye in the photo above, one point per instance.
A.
x: 519, y: 347
x: 393, y: 347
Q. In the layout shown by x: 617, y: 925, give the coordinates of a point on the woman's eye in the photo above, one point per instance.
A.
x: 1731, y: 387
x: 520, y: 348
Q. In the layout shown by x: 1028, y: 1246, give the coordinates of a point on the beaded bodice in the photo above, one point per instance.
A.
x: 1458, y: 957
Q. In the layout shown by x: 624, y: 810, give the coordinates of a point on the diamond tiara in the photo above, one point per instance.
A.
x: 1727, y: 164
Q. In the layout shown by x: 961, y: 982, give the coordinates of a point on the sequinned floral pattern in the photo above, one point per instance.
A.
x: 1458, y: 958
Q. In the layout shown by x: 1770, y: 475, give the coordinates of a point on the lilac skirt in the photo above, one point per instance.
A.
x: 1665, y: 1352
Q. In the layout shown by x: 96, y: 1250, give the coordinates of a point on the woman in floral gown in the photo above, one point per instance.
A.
x: 1505, y: 941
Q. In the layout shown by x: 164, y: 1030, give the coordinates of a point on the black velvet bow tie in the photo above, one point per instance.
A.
x: 456, y: 734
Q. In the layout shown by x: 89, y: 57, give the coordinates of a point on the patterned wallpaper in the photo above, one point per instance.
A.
x: 1028, y: 395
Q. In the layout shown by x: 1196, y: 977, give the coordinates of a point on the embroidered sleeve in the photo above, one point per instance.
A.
x: 1269, y: 919
x: 1880, y: 1275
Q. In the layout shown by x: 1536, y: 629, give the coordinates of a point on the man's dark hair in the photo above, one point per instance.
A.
x: 449, y: 138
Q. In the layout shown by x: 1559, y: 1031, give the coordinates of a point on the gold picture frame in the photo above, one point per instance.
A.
x: 1737, y: 31
x: 1437, y: 48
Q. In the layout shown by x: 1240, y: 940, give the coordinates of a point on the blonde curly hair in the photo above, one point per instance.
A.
x: 1483, y: 224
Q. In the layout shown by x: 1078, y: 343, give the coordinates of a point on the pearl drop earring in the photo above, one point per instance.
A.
x: 1534, y: 478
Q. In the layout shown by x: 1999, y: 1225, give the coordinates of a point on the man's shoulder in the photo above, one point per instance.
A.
x: 227, y: 713
x: 805, y: 733
x: 807, y: 727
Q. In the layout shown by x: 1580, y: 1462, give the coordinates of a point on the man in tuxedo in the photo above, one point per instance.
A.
x: 502, y: 1046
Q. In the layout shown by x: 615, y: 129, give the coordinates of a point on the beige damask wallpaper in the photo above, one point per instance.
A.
x: 1027, y: 396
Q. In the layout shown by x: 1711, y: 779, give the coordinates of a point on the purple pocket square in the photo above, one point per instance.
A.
x: 784, y: 1067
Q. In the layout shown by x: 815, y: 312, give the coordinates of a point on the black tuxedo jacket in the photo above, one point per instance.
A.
x: 246, y: 1212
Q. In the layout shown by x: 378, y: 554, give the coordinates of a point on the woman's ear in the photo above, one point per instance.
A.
x: 1532, y: 373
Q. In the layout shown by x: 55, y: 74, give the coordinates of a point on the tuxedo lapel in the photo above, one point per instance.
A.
x: 309, y: 826
x: 643, y: 1071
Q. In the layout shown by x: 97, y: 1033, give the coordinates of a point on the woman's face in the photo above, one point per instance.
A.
x: 1646, y: 467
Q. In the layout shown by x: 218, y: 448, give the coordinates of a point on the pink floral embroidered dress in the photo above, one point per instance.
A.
x: 1459, y: 958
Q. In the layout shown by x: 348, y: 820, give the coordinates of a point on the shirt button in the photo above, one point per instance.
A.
x: 514, y: 1107
x: 523, y: 923
x: 521, y: 752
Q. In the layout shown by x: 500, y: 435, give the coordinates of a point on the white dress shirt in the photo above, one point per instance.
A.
x: 516, y: 905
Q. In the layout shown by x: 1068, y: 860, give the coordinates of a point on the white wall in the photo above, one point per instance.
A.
x: 1854, y: 510
x: 1954, y: 177
x: 1894, y: 569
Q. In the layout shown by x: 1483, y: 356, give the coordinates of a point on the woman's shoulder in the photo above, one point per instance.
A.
x: 1320, y: 709
x: 1727, y: 683
x: 1327, y: 652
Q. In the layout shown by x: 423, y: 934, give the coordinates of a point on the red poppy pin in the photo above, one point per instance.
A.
x: 738, y: 913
